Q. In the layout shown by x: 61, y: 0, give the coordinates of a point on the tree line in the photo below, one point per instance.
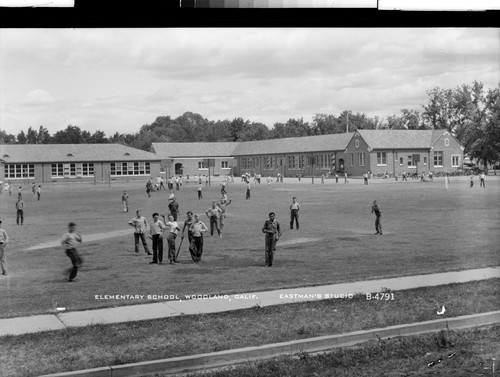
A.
x: 469, y: 112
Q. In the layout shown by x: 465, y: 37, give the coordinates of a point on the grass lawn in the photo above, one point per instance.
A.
x: 463, y: 353
x: 427, y: 229
x: 99, y: 345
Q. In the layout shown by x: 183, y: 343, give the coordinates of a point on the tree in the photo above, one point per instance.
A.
x: 98, y: 137
x: 292, y: 128
x: 43, y: 136
x: 31, y: 136
x: 21, y: 138
x: 71, y: 135
x: 411, y: 119
x: 236, y: 126
x: 254, y: 131
x: 395, y: 122
x: 216, y: 131
x: 324, y: 124
x: 438, y: 113
x: 6, y: 138
x: 481, y: 136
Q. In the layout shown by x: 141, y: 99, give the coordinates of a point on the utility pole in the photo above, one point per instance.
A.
x: 312, y: 164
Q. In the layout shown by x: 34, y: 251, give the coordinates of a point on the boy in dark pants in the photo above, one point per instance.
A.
x: 294, y: 213
x: 272, y: 231
x: 156, y: 234
x: 378, y: 214
x: 69, y: 242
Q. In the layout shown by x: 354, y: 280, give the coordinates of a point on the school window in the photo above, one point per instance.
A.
x: 438, y: 158
x: 19, y: 171
x: 223, y: 165
x: 455, y: 161
x: 361, y: 158
x: 352, y: 159
x: 270, y: 162
x: 300, y: 161
x: 381, y: 158
x: 356, y: 143
x: 72, y: 170
x: 410, y: 161
x: 202, y: 165
x: 401, y: 161
x: 248, y: 163
x: 125, y: 168
x: 425, y: 160
x: 446, y: 142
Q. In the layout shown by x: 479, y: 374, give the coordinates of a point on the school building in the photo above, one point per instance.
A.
x: 183, y: 159
x: 395, y: 151
x: 359, y: 152
x: 45, y: 163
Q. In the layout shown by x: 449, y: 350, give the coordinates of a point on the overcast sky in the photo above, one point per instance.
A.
x: 120, y: 79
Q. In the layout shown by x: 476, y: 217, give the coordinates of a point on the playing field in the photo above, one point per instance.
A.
x: 427, y: 228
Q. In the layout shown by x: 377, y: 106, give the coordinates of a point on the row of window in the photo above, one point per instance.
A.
x: 72, y: 170
x: 19, y: 171
x: 130, y: 168
x: 438, y: 159
x: 202, y: 165
x: 83, y: 169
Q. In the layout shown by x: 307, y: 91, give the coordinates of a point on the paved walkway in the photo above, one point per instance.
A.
x: 222, y: 303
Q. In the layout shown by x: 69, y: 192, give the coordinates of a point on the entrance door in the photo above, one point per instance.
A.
x: 341, y: 164
x: 178, y: 168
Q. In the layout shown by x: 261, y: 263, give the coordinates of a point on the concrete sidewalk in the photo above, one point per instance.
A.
x: 222, y: 303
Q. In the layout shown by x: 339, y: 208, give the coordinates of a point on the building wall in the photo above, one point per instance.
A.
x: 354, y: 165
x: 450, y: 147
x: 191, y: 167
x: 43, y: 174
x: 289, y: 164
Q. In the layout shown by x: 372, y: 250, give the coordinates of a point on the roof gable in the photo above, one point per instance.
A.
x: 439, y: 134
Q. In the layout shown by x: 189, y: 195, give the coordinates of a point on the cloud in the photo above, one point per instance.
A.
x: 38, y: 97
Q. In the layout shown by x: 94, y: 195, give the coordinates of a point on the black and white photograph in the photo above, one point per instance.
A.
x: 255, y: 200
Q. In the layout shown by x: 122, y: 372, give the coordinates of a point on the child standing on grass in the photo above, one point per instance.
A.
x: 4, y: 238
x: 125, y: 201
x: 69, y: 242
x: 173, y: 228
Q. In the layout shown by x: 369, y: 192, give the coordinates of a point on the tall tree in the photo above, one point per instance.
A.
x: 481, y: 135
x: 31, y: 136
x: 411, y: 119
x: 21, y: 138
x: 43, y: 136
x: 6, y: 138
x: 236, y: 126
x: 70, y: 135
x: 438, y: 113
x: 326, y: 124
x: 98, y: 137
x: 254, y: 131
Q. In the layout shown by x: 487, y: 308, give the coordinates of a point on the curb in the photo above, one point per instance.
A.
x: 199, y: 362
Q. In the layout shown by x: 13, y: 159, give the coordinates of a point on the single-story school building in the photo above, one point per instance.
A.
x: 45, y: 163
x: 356, y: 153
